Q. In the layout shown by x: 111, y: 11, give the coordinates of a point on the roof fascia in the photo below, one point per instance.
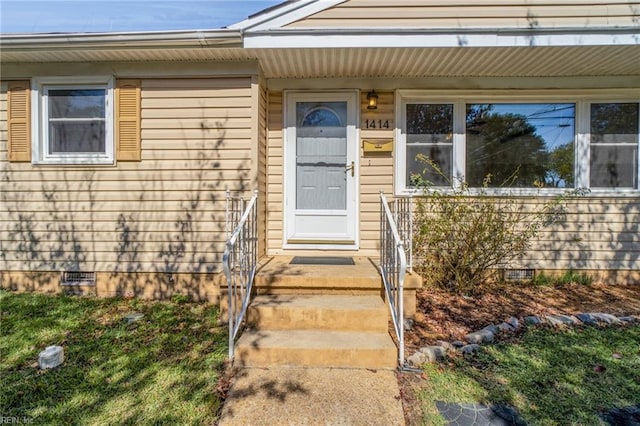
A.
x: 399, y: 38
x: 128, y: 40
x: 284, y: 15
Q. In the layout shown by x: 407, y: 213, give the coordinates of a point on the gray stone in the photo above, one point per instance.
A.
x: 608, y: 318
x: 417, y: 359
x: 408, y: 324
x: 480, y: 336
x: 586, y: 318
x: 629, y: 318
x: 561, y: 320
x: 492, y: 328
x: 132, y: 317
x: 505, y: 327
x: 532, y: 320
x: 448, y: 346
x: 434, y: 353
x: 458, y: 343
x: 469, y: 349
x: 513, y: 322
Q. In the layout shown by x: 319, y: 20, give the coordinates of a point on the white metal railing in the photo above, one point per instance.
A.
x: 393, y: 260
x: 240, y: 259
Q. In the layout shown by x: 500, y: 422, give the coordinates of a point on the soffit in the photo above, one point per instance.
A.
x: 376, y: 62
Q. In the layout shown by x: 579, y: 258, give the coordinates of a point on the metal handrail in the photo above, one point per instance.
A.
x: 393, y: 268
x: 240, y: 260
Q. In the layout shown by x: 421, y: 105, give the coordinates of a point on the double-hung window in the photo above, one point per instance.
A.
x: 73, y: 120
x: 511, y: 143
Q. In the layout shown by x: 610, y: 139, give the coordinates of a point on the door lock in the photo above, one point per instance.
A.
x: 352, y: 167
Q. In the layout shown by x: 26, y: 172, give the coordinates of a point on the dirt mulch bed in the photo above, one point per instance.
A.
x: 445, y: 316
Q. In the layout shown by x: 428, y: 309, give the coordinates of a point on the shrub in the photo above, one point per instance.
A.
x: 462, y: 236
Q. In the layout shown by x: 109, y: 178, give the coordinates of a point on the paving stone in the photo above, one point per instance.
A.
x: 480, y: 336
x: 469, y: 349
x: 608, y: 318
x: 513, y: 322
x: 532, y: 320
x: 586, y: 318
x: 434, y: 353
x: 466, y: 414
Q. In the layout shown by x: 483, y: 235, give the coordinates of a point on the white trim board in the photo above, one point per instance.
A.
x: 285, y: 14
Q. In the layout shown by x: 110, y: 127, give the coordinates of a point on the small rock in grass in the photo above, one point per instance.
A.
x: 586, y: 318
x: 469, y: 349
x: 132, y: 317
x: 433, y: 353
x: 608, y: 318
x: 417, y: 359
x: 532, y: 320
x: 513, y: 322
x: 616, y: 356
x: 480, y: 336
x: 448, y: 346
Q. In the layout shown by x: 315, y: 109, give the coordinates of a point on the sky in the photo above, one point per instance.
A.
x: 43, y: 16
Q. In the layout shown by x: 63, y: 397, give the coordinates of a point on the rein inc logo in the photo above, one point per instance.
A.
x: 7, y: 420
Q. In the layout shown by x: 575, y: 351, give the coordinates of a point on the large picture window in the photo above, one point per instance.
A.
x: 73, y: 121
x: 526, y: 146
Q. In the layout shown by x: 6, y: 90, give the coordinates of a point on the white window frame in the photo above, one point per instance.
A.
x: 460, y: 98
x: 40, y: 126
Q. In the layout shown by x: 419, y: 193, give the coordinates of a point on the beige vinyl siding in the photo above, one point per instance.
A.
x: 274, y: 165
x: 474, y: 14
x: 164, y: 214
x: 262, y: 169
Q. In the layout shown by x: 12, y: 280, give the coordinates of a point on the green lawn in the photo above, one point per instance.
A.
x: 162, y: 369
x: 551, y: 377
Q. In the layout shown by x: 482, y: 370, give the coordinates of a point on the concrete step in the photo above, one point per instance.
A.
x: 264, y: 348
x: 327, y: 312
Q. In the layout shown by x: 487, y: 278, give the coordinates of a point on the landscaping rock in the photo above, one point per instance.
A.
x: 446, y: 345
x: 434, y: 353
x: 608, y: 318
x: 630, y: 318
x: 492, y: 328
x: 532, y: 320
x: 505, y: 327
x: 417, y: 359
x: 408, y: 324
x: 458, y: 343
x: 561, y: 320
x: 469, y: 349
x: 586, y: 318
x: 513, y: 322
x: 51, y: 357
x: 480, y: 336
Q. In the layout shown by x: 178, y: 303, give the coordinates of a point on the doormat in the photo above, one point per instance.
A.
x: 320, y: 260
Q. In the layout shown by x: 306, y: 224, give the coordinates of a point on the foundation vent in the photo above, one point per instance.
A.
x: 518, y: 274
x: 78, y: 278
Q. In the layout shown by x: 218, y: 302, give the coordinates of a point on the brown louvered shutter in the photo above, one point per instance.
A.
x: 128, y: 146
x: 19, y: 120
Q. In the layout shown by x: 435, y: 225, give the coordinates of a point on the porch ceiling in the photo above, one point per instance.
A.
x: 375, y: 62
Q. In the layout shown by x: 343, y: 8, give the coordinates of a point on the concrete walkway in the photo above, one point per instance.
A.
x: 313, y: 396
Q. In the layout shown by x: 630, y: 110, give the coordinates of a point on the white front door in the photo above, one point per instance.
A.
x: 321, y: 170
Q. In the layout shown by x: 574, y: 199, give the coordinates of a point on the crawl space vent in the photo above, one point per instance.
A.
x: 78, y: 278
x: 518, y: 274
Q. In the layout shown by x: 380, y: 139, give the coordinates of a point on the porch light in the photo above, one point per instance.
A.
x: 372, y: 97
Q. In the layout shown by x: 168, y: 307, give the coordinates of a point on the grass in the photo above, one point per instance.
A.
x: 162, y: 369
x: 551, y: 377
x: 569, y: 277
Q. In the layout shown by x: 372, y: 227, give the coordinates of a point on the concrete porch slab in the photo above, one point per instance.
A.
x: 313, y: 396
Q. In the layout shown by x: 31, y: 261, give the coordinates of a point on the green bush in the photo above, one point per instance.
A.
x: 461, y: 235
